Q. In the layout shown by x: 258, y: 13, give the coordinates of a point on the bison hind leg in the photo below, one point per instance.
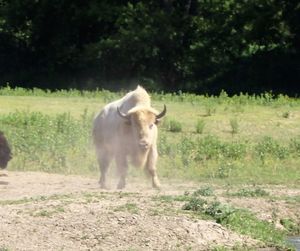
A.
x: 122, y: 167
x: 104, y: 159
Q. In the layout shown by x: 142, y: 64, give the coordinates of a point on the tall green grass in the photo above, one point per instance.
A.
x: 210, y: 102
x: 49, y: 143
x: 210, y: 157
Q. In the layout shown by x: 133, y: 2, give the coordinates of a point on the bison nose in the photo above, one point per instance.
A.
x: 144, y: 144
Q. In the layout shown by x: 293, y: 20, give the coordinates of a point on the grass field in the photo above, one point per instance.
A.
x: 248, y: 147
x: 240, y: 139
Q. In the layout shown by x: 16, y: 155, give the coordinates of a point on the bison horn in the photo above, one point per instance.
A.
x: 163, y: 113
x: 123, y: 115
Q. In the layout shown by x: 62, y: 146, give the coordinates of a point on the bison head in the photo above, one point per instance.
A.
x: 142, y: 121
x: 5, y: 152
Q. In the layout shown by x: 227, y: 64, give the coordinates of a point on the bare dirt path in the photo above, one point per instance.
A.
x: 40, y: 211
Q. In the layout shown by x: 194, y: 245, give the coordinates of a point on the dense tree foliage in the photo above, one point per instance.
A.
x: 188, y: 45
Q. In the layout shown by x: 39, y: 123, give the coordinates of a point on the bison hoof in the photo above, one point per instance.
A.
x: 103, y: 186
x: 121, y: 185
x: 156, y: 183
x: 156, y: 187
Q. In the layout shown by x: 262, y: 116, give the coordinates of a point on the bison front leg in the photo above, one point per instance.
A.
x: 122, y: 167
x: 151, y: 167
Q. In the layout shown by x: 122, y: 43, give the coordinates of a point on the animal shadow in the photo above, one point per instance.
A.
x: 3, y: 183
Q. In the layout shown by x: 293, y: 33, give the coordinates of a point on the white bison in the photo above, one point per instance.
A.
x: 126, y: 128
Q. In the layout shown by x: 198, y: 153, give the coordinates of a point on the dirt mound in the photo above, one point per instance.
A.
x: 40, y: 211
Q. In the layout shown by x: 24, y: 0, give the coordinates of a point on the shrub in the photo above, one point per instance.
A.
x: 239, y: 220
x: 209, y: 147
x: 200, y: 126
x: 290, y: 226
x: 214, y: 209
x: 269, y: 146
x: 286, y: 114
x: 210, y: 109
x: 204, y: 191
x: 195, y: 204
x: 295, y: 145
x: 244, y: 192
x: 175, y: 126
x: 234, y: 126
x: 224, y: 170
x: 48, y: 143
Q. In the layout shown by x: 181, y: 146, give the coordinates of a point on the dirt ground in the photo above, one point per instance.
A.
x: 40, y: 211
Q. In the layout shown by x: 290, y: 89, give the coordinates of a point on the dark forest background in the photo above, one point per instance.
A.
x: 200, y: 46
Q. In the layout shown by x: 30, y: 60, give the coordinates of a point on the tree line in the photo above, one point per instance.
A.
x: 200, y: 46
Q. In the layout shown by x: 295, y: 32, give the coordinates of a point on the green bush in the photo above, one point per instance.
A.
x: 204, y: 191
x: 270, y: 147
x: 234, y: 126
x: 292, y: 227
x: 241, y: 221
x: 175, y: 126
x: 200, y: 126
x: 48, y: 143
x: 295, y: 146
x: 224, y: 170
x: 257, y: 192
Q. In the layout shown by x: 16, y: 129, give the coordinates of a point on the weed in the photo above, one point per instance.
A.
x: 4, y: 249
x: 165, y: 148
x: 195, y: 204
x: 286, y: 114
x: 169, y: 198
x: 37, y: 199
x: 154, y: 212
x: 204, y: 191
x: 234, y: 126
x: 268, y: 146
x: 246, y: 223
x: 210, y: 109
x: 234, y: 150
x: 93, y: 197
x: 290, y: 226
x: 239, y: 220
x: 200, y: 126
x: 224, y: 170
x: 43, y: 213
x: 236, y: 247
x: 295, y: 145
x: 292, y: 199
x: 175, y: 126
x: 122, y: 194
x: 246, y: 192
x: 48, y: 213
x: 214, y: 209
x: 129, y: 207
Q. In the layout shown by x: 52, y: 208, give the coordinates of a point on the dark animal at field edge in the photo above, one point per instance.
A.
x: 5, y: 151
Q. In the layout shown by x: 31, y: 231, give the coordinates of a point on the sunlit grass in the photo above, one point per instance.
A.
x: 52, y: 132
x: 49, y: 105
